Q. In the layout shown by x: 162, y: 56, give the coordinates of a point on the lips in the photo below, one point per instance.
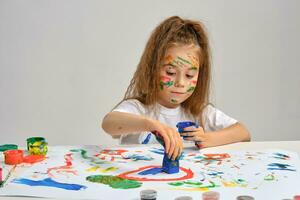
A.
x: 178, y: 93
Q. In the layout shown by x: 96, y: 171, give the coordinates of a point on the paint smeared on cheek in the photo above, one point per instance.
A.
x: 192, y: 86
x: 165, y: 82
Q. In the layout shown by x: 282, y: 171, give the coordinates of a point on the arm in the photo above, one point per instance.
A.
x: 118, y: 123
x: 231, y: 134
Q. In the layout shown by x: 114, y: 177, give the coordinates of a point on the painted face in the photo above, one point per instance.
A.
x: 178, y: 75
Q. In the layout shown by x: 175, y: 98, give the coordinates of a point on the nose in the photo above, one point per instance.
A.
x: 179, y: 81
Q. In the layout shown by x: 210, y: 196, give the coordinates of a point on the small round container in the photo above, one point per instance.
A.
x: 148, y: 195
x: 296, y: 197
x: 37, y: 146
x: 211, y: 195
x: 13, y: 157
x: 6, y: 147
x: 184, y: 198
x: 245, y: 198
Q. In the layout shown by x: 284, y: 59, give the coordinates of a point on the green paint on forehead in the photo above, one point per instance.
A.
x: 193, y: 68
x: 184, y: 60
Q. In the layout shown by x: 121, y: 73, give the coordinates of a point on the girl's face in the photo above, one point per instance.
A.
x: 178, y: 75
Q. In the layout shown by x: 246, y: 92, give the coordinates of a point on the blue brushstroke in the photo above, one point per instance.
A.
x: 281, y: 156
x: 215, y: 173
x: 137, y: 157
x: 147, y: 139
x: 152, y: 171
x: 48, y: 182
x: 158, y: 151
x: 279, y: 166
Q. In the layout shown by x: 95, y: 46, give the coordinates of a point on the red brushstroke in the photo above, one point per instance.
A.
x: 216, y: 157
x: 65, y: 168
x: 33, y: 158
x: 189, y: 174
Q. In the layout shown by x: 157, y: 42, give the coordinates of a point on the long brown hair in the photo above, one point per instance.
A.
x: 144, y: 85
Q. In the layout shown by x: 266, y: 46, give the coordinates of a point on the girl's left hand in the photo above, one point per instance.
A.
x: 198, y: 136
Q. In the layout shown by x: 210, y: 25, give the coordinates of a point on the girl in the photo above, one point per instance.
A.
x: 171, y: 85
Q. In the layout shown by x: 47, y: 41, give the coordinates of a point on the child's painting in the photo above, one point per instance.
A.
x: 93, y: 172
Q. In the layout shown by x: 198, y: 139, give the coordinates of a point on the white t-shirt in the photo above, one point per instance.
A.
x: 213, y: 118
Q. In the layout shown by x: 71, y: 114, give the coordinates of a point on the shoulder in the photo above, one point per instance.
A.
x: 215, y: 119
x: 131, y: 106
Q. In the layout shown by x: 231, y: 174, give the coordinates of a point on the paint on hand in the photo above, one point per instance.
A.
x: 114, y: 181
x: 48, y: 182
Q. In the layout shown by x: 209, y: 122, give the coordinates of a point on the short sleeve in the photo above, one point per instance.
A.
x: 130, y: 106
x: 215, y: 119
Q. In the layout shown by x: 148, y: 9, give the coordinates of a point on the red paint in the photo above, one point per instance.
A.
x: 65, y: 168
x: 189, y: 174
x: 117, y: 152
x: 33, y: 158
x: 13, y: 157
x: 0, y: 174
x: 194, y: 82
x: 297, y: 197
x: 165, y: 79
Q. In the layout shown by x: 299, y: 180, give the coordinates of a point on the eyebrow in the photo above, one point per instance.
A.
x: 193, y: 68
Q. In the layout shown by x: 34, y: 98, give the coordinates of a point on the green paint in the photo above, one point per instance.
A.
x: 5, y: 147
x: 184, y: 60
x: 114, y: 181
x: 84, y: 156
x: 241, y: 182
x: 191, y: 89
x: 193, y: 68
x: 174, y: 101
x: 176, y: 183
x: 269, y: 177
x: 167, y: 84
x: 109, y: 169
x: 194, y: 184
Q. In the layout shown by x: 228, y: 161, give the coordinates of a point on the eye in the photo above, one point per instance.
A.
x: 189, y: 76
x: 170, y: 73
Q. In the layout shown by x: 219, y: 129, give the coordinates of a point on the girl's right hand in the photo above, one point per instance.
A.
x: 172, y: 139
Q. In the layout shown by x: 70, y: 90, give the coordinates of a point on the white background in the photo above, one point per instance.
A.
x: 65, y: 64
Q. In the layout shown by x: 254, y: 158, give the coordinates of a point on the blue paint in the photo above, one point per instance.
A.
x: 136, y: 157
x: 147, y: 139
x: 170, y: 166
x: 281, y: 156
x: 48, y: 182
x: 158, y: 151
x: 152, y: 171
x: 181, y: 125
x: 279, y: 166
x: 215, y: 173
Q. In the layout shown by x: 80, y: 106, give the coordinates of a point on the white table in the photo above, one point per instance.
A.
x: 285, y: 145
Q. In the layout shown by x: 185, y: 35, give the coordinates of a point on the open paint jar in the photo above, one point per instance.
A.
x: 37, y: 146
x: 13, y: 157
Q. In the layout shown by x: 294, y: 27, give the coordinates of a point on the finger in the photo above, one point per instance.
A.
x: 194, y: 138
x: 166, y: 139
x: 172, y: 143
x: 176, y: 150
x: 190, y: 128
x: 188, y: 134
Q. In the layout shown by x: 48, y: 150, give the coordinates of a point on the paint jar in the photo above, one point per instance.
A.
x: 148, y: 195
x: 13, y: 157
x: 297, y: 197
x: 211, y: 195
x: 6, y: 147
x: 37, y: 146
x: 184, y: 198
x: 245, y: 198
